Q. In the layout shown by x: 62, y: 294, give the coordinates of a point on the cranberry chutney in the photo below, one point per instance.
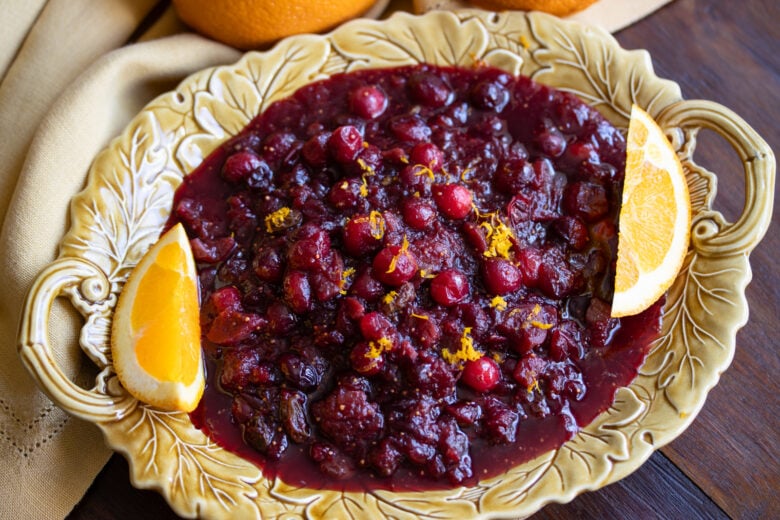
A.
x: 406, y: 277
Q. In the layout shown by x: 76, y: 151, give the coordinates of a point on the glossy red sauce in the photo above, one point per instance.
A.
x: 406, y: 277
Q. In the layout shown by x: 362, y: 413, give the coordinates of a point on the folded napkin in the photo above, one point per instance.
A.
x: 69, y: 83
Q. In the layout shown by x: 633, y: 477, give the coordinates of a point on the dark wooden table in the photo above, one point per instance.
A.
x: 727, y: 464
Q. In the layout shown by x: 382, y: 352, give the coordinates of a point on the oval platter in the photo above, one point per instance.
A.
x: 128, y: 197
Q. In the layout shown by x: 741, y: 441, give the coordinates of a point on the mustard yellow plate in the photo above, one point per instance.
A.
x: 129, y: 195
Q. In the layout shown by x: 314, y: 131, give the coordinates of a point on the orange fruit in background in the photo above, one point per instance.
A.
x: 655, y: 218
x: 250, y: 24
x: 155, y: 333
x: 556, y: 7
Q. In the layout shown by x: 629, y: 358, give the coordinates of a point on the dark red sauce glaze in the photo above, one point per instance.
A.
x: 405, y: 278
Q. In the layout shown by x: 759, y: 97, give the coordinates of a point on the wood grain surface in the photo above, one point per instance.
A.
x: 726, y: 465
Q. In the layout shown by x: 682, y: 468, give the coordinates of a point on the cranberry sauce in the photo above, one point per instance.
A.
x: 406, y: 278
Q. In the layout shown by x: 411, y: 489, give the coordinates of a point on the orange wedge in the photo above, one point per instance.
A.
x: 655, y: 218
x: 155, y: 335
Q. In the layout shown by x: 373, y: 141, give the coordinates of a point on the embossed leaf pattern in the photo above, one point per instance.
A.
x: 131, y: 188
x: 691, y: 340
x: 129, y: 195
x: 587, y: 64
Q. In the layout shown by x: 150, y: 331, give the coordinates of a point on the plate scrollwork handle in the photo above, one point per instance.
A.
x: 37, y: 354
x: 710, y: 234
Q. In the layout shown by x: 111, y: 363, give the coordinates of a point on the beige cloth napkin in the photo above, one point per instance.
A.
x: 68, y: 84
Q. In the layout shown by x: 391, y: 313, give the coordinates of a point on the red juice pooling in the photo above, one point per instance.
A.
x: 406, y: 277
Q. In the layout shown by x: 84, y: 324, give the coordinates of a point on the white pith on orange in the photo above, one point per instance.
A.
x: 655, y: 218
x: 155, y: 335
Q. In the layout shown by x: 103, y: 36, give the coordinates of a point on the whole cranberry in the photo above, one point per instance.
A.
x: 368, y: 101
x: 449, y: 287
x: 241, y: 165
x: 453, y: 200
x: 394, y: 265
x: 418, y: 213
x: 501, y: 276
x: 410, y: 128
x: 427, y: 154
x: 363, y: 234
x: 481, y: 374
x: 429, y: 89
x: 345, y: 143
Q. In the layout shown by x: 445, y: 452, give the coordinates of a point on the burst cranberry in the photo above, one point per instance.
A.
x: 368, y: 101
x: 231, y: 327
x: 345, y: 143
x: 429, y: 89
x: 418, y: 213
x: 394, y: 265
x: 315, y: 150
x: 364, y: 234
x: 453, y: 200
x: 375, y: 326
x: 268, y: 264
x: 449, y: 287
x: 410, y: 128
x: 297, y: 291
x: 365, y: 360
x: 586, y: 200
x: 481, y: 374
x: 427, y: 154
x: 501, y: 276
x: 240, y: 165
x: 490, y: 95
x: 212, y: 251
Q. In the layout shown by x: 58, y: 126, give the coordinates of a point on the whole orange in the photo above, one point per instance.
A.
x: 250, y: 24
x: 556, y: 7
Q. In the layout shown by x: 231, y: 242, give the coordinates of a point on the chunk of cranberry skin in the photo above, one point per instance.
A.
x: 529, y: 259
x: 292, y: 412
x: 310, y: 253
x: 490, y: 95
x: 363, y: 234
x: 427, y: 154
x: 410, y: 128
x: 368, y: 101
x: 453, y: 200
x: 500, y: 422
x: 449, y: 287
x: 212, y: 251
x: 345, y: 143
x: 240, y: 165
x: 429, y: 89
x: 501, y: 276
x: 231, y: 327
x: 375, y: 326
x: 418, y: 214
x: 551, y: 142
x: 280, y: 319
x: 394, y: 266
x: 268, y: 264
x: 529, y: 369
x: 586, y: 200
x: 364, y: 361
x: 572, y: 230
x: 481, y: 374
x: 315, y: 150
x: 297, y: 291
x: 465, y: 412
x: 366, y: 286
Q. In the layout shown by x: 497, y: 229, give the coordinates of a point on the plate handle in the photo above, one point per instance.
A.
x: 710, y: 233
x: 79, y: 279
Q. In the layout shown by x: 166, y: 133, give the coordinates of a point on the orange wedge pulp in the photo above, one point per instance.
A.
x: 655, y: 218
x: 155, y: 336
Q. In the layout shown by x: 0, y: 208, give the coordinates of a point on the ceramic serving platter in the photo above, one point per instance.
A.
x: 129, y: 194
